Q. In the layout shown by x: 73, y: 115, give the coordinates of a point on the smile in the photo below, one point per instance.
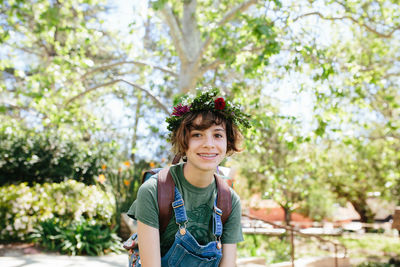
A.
x: 208, y: 155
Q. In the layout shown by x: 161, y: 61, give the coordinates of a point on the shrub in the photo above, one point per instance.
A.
x: 122, y: 179
x: 272, y: 248
x: 22, y: 207
x: 376, y: 264
x: 79, y: 238
x: 38, y: 157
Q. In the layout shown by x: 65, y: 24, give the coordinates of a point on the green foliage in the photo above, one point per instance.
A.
x: 49, y: 156
x: 81, y: 237
x: 122, y: 180
x: 50, y: 46
x: 318, y: 203
x: 59, y: 59
x: 23, y: 207
x: 282, y: 164
x: 359, y: 167
x: 368, y: 247
x: 159, y: 4
x: 375, y: 264
x: 371, y: 245
x: 272, y: 248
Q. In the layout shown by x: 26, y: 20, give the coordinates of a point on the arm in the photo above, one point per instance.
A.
x: 228, y: 255
x: 149, y: 245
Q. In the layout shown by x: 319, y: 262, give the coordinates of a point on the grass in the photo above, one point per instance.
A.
x: 364, y: 250
x: 272, y: 248
x: 372, y: 247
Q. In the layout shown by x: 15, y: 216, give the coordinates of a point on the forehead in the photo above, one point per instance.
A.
x: 202, y: 124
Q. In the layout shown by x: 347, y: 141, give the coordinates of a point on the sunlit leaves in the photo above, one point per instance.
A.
x: 52, y: 46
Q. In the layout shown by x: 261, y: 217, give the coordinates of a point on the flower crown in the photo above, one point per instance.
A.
x: 204, y: 101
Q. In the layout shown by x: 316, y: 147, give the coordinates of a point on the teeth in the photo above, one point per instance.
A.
x: 208, y: 155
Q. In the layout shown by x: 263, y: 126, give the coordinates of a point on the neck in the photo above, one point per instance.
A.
x: 197, y: 177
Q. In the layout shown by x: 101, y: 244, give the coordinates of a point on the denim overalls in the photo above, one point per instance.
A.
x: 185, y: 251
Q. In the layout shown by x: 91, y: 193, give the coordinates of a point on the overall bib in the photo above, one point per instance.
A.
x: 186, y: 251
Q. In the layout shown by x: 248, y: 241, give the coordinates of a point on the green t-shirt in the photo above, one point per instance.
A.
x: 199, y: 203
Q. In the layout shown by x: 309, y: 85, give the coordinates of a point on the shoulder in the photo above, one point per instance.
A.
x: 234, y: 195
x: 235, y: 199
x: 150, y: 186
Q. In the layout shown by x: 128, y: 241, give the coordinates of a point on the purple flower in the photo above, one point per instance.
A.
x: 180, y: 110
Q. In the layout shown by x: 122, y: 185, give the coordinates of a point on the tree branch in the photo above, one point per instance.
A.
x: 24, y: 49
x: 176, y: 32
x: 140, y: 63
x: 210, y: 66
x: 369, y: 28
x: 11, y: 106
x: 190, y: 30
x: 226, y: 18
x: 90, y: 90
x: 232, y: 13
x: 392, y: 74
x: 156, y: 100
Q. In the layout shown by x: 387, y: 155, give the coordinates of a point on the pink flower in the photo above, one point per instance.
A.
x: 219, y: 103
x: 180, y: 110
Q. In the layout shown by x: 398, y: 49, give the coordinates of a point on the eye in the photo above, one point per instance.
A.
x: 219, y: 136
x: 196, y: 134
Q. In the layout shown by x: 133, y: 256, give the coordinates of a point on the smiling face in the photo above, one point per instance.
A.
x: 206, y: 147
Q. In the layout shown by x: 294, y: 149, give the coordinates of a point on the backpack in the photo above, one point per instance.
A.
x: 165, y: 197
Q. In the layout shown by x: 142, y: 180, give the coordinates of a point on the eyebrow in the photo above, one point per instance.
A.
x: 215, y: 130
x: 219, y: 130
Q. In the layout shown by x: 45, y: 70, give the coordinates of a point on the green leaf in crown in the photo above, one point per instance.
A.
x: 209, y: 99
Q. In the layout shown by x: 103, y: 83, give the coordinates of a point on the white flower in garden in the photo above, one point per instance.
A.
x: 9, y: 228
x: 61, y: 211
x: 27, y: 206
x: 18, y: 224
x: 58, y: 196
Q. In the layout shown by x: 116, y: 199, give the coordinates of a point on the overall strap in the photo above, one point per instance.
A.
x: 179, y: 209
x: 165, y: 196
x: 224, y: 201
x: 217, y: 222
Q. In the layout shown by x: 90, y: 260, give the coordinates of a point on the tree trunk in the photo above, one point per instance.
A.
x: 288, y: 215
x: 188, y: 75
x: 361, y: 206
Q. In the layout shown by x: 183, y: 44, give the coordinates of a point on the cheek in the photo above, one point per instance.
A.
x: 192, y: 143
x: 224, y: 145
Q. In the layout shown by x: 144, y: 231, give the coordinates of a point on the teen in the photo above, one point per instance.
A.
x: 204, y: 130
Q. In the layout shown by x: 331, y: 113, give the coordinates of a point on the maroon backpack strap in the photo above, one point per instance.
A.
x: 176, y: 159
x: 165, y: 197
x: 224, y: 201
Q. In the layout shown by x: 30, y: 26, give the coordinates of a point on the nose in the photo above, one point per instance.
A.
x: 209, y: 141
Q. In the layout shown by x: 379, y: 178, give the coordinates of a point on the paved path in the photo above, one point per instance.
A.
x: 27, y: 255
x: 43, y: 260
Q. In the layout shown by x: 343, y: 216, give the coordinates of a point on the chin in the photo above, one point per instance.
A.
x: 208, y: 167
